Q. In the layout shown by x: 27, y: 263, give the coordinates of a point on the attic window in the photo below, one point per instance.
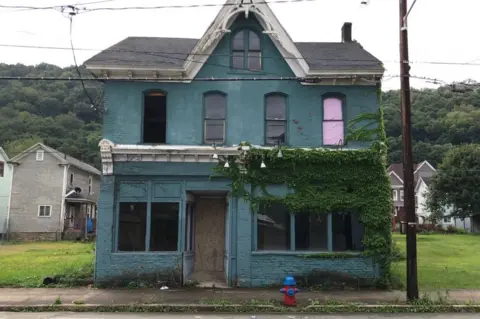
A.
x: 246, y: 51
x: 155, y: 118
x: 40, y: 155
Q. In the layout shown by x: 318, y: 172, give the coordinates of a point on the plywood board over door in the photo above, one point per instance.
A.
x: 210, y: 235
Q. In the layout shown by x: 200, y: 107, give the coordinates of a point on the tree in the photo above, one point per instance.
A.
x: 454, y: 190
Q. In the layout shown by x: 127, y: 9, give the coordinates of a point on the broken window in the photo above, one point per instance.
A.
x: 273, y: 228
x: 155, y: 118
x: 311, y: 231
x: 164, y: 227
x: 246, y: 51
x: 275, y: 118
x: 347, y: 232
x: 132, y: 226
x: 215, y: 111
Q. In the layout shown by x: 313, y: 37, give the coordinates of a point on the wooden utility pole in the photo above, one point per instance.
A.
x: 409, y: 204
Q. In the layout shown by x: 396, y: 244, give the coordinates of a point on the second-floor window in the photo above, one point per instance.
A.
x: 333, y: 126
x: 71, y: 178
x: 246, y: 51
x: 90, y: 185
x: 2, y: 168
x: 214, y: 120
x: 394, y: 195
x: 155, y: 118
x: 275, y: 118
x: 401, y: 195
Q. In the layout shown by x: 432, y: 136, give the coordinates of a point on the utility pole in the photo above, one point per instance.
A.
x: 409, y: 204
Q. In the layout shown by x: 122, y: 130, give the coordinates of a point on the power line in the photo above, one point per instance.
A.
x: 155, y: 53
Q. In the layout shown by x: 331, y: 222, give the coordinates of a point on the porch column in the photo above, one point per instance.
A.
x: 243, y: 219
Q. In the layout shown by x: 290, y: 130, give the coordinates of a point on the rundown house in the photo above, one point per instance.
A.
x: 5, y: 187
x: 52, y: 195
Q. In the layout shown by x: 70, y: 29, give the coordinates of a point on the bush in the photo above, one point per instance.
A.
x: 397, y: 254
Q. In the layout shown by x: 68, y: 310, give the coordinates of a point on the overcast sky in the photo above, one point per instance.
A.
x: 440, y: 30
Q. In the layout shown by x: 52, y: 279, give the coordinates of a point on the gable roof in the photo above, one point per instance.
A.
x: 181, y: 58
x: 4, y: 154
x: 397, y: 168
x: 63, y: 158
x: 419, y: 166
x: 172, y: 53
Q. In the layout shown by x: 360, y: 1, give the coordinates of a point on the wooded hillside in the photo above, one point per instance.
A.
x: 59, y: 114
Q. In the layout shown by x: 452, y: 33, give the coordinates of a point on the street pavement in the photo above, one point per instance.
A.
x: 66, y: 315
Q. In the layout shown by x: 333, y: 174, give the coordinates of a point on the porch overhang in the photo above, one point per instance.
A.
x: 79, y: 201
x: 111, y: 152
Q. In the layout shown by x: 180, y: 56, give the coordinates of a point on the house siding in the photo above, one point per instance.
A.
x: 5, y: 187
x: 244, y: 122
x: 36, y: 183
x: 81, y: 180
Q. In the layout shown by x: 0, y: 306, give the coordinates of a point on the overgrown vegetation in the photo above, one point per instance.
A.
x: 27, y: 264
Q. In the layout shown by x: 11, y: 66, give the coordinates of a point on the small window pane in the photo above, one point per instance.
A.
x: 332, y: 109
x: 47, y: 210
x: 214, y: 130
x: 333, y: 133
x: 254, y: 42
x: 239, y: 41
x: 273, y: 228
x: 275, y: 107
x: 347, y: 232
x: 215, y: 105
x: 275, y: 132
x: 311, y: 231
x: 238, y: 60
x: 254, y: 61
x: 164, y: 227
x: 132, y: 226
x: 42, y: 211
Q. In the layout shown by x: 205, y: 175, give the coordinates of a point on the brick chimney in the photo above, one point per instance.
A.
x: 347, y: 32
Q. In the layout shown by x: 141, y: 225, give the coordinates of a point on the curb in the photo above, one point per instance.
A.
x: 196, y: 308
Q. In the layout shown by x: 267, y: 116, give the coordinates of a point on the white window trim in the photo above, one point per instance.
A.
x: 395, y: 195
x: 401, y: 195
x: 40, y: 155
x: 38, y: 213
x: 90, y: 185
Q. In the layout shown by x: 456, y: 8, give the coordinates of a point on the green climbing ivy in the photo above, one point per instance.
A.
x: 324, y: 181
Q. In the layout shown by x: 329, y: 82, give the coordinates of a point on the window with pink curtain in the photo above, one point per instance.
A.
x: 333, y: 126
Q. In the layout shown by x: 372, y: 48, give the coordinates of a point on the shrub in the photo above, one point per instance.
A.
x: 397, y: 254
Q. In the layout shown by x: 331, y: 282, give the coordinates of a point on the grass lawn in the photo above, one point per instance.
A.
x: 27, y: 264
x: 444, y: 261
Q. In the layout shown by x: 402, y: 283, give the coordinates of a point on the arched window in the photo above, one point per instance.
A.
x: 333, y: 124
x: 275, y: 118
x: 214, y: 117
x: 246, y: 51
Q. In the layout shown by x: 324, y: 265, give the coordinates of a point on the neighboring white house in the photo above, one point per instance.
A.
x: 6, y: 173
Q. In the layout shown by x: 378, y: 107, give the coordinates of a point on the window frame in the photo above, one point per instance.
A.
x: 293, y: 249
x: 149, y: 202
x: 2, y: 168
x: 402, y: 195
x: 246, y: 49
x: 142, y: 126
x: 41, y: 157
x: 395, y: 195
x: 71, y: 178
x: 343, y: 99
x: 49, y: 212
x: 90, y: 185
x: 266, y: 120
x: 205, y: 119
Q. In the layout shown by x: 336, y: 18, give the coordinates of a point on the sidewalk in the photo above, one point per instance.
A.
x: 112, y: 297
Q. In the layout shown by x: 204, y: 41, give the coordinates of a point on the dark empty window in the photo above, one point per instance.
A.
x: 246, y: 51
x: 164, y: 227
x: 273, y: 228
x: 311, y: 231
x: 155, y: 118
x: 347, y: 232
x: 132, y: 226
x: 2, y: 168
x: 215, y: 111
x: 275, y: 118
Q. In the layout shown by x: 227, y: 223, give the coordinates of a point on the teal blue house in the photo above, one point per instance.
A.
x: 174, y: 107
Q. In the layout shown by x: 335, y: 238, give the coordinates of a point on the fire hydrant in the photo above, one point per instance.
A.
x: 289, y: 290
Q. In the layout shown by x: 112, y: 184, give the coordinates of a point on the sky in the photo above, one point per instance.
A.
x: 439, y: 31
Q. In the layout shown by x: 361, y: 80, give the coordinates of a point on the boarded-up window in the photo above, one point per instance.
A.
x: 275, y: 118
x: 2, y: 169
x: 333, y: 124
x: 214, y: 122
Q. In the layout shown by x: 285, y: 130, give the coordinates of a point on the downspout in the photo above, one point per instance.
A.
x: 61, y: 224
x: 9, y: 200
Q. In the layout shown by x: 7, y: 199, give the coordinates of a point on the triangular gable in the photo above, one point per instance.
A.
x: 3, y: 154
x: 392, y: 174
x: 419, y: 166
x: 221, y: 24
x: 29, y: 150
